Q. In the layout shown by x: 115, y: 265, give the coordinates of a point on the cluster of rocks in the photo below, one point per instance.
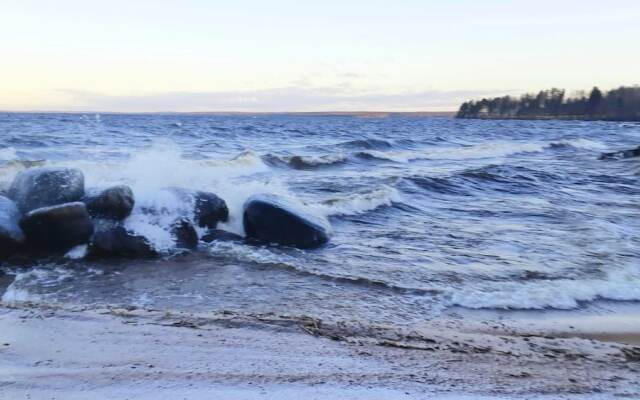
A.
x: 46, y: 211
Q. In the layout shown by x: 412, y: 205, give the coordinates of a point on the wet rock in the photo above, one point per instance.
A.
x: 114, y: 240
x: 616, y: 155
x: 11, y: 236
x: 44, y: 187
x: 113, y: 203
x: 209, y: 209
x: 218, y: 235
x: 184, y: 234
x: 57, y: 228
x: 272, y: 219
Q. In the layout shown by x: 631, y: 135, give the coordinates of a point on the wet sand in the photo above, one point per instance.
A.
x: 74, y: 353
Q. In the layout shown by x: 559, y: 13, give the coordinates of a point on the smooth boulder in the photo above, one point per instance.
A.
x: 57, y: 228
x: 272, y: 219
x: 11, y: 236
x: 114, y: 203
x: 44, y: 187
x: 113, y: 240
x: 621, y: 154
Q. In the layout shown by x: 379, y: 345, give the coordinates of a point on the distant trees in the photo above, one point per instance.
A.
x: 617, y: 104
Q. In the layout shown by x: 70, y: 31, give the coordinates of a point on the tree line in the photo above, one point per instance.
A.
x: 618, y: 104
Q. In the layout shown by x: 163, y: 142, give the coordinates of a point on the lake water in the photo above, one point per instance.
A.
x: 428, y: 214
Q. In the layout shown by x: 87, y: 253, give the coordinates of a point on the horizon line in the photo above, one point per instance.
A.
x: 433, y: 113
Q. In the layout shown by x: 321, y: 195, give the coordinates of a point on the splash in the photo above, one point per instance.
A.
x: 8, y: 154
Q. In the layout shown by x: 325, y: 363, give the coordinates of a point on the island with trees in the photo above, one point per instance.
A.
x: 621, y: 104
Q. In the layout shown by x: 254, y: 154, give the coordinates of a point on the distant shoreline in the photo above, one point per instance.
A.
x: 371, y: 114
x: 552, y: 118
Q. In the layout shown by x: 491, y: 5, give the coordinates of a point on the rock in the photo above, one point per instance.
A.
x: 113, y: 240
x: 209, y: 209
x: 221, y: 236
x: 114, y: 203
x: 44, y: 187
x: 272, y: 219
x: 57, y: 228
x: 185, y: 234
x: 11, y: 236
x: 616, y: 155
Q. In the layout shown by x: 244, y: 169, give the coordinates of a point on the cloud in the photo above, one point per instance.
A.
x: 294, y: 98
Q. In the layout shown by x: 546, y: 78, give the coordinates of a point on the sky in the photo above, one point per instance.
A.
x: 330, y: 55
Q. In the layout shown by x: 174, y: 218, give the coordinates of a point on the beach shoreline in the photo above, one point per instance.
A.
x: 71, y: 352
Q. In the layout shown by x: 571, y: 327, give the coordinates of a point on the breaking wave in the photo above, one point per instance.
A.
x: 565, y: 294
x: 358, y: 203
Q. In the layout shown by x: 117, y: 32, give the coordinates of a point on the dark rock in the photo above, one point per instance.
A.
x: 44, y: 187
x: 616, y: 155
x: 221, y: 236
x: 114, y: 203
x: 113, y: 240
x: 11, y: 236
x: 185, y: 234
x: 272, y: 219
x: 209, y: 209
x: 57, y: 228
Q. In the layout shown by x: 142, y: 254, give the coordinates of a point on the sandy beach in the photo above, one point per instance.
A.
x: 74, y: 353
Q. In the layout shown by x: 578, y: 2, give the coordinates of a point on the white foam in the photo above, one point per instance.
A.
x: 621, y: 285
x: 582, y: 143
x: 8, y: 154
x: 151, y: 171
x: 326, y: 159
x: 77, y: 252
x: 358, y: 203
x: 18, y: 290
x: 484, y: 150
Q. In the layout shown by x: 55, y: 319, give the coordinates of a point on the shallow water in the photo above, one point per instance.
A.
x: 428, y: 214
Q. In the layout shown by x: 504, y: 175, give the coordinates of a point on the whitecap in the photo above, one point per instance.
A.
x: 358, y: 203
x: 566, y: 294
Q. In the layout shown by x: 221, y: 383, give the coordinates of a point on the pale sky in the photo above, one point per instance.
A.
x: 249, y: 55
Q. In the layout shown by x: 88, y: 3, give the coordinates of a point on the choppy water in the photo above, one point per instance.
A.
x: 427, y: 213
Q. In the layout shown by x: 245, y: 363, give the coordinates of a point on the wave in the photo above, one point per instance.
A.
x: 358, y: 203
x: 579, y: 143
x: 478, y: 151
x: 563, y: 294
x: 367, y: 144
x: 307, y: 162
x: 274, y: 258
x: 17, y: 291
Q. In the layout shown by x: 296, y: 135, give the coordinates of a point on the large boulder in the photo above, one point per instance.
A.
x: 208, y: 208
x: 11, y: 236
x: 272, y: 219
x: 113, y: 240
x: 57, y: 228
x: 616, y: 155
x: 184, y: 234
x: 113, y: 203
x: 43, y: 187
